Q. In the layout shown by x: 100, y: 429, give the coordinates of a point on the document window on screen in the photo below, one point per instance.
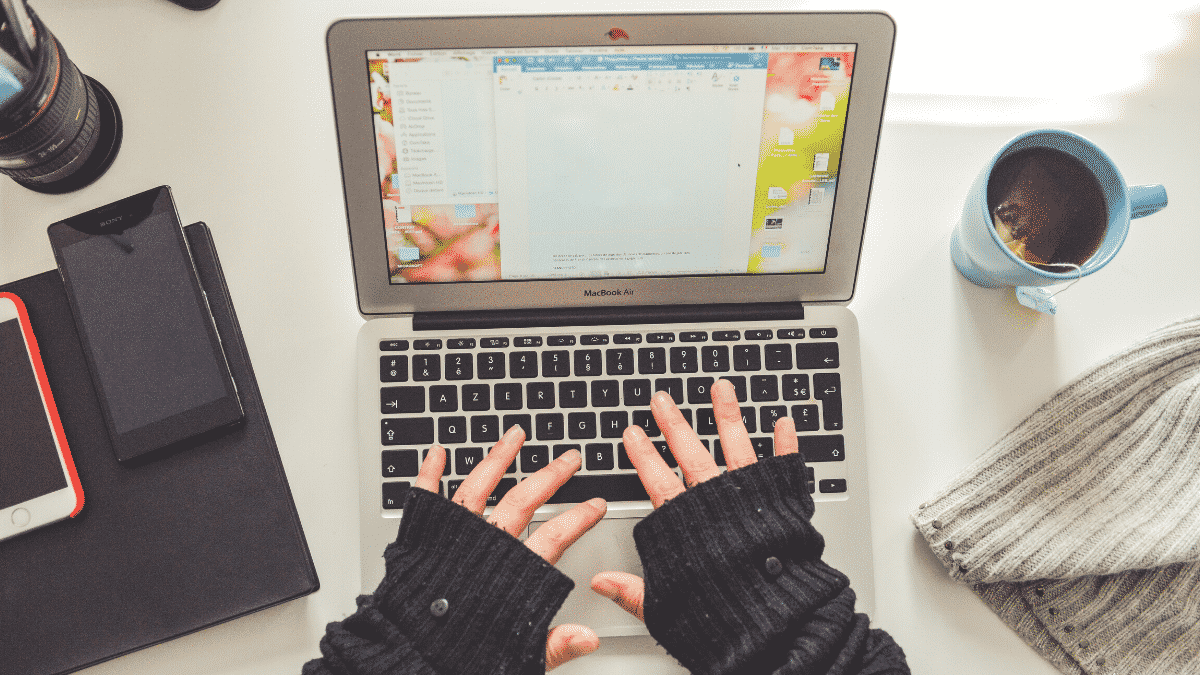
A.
x: 608, y: 161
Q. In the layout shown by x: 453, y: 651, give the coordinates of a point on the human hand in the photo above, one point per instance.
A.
x: 514, y: 511
x: 628, y: 590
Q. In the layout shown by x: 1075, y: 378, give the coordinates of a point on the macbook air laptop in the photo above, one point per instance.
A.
x: 553, y: 217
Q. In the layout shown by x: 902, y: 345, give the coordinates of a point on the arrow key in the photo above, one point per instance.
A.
x: 827, y: 387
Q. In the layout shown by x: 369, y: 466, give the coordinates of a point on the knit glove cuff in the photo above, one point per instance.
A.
x: 473, y: 598
x: 733, y: 565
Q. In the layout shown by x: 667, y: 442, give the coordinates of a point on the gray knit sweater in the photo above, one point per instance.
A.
x: 1081, y: 527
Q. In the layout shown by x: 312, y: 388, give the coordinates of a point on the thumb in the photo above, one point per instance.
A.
x: 627, y: 590
x: 569, y: 641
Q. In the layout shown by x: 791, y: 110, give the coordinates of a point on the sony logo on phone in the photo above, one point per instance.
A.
x: 110, y: 221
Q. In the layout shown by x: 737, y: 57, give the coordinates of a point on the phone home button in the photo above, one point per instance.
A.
x: 20, y: 517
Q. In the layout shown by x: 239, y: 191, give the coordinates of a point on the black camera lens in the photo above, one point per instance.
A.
x: 63, y: 129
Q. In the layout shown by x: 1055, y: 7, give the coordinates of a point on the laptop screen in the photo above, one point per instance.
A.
x: 627, y: 161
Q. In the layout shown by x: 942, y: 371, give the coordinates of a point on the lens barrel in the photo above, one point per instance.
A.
x: 63, y: 130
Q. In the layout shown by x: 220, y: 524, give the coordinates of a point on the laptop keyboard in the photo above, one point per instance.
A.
x: 582, y: 389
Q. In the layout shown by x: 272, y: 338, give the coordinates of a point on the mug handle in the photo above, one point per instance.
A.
x: 1146, y: 199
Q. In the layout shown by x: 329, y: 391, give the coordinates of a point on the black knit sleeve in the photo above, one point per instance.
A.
x: 498, y: 599
x: 735, y: 582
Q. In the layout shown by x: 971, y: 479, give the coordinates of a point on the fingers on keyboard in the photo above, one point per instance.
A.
x: 515, y: 510
x: 430, y: 476
x: 474, y: 491
x: 660, y: 481
x: 735, y: 440
x: 693, y: 458
x: 785, y: 437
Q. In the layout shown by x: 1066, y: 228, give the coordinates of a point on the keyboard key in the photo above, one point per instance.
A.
x: 627, y: 339
x: 768, y: 415
x: 523, y: 421
x: 426, y: 367
x: 809, y: 480
x: 605, y: 394
x: 706, y: 423
x: 683, y: 360
x: 645, y: 420
x: 813, y: 355
x: 393, y: 369
x: 564, y: 449
x: 623, y: 457
x: 393, y: 345
x: 427, y: 344
x: 549, y: 426
x: 400, y: 463
x: 540, y: 395
x: 522, y: 364
x: 556, y: 363
x: 715, y: 359
x: 805, y: 417
x: 727, y: 335
x: 560, y: 341
x: 618, y: 361
x: 502, y: 489
x: 443, y: 398
x: 534, y: 457
x: 394, y: 493
x: 452, y: 487
x: 827, y: 387
x: 763, y: 446
x: 394, y: 400
x: 795, y: 387
x: 491, y: 365
x: 599, y: 456
x: 476, y: 397
x: 637, y: 392
x: 652, y: 361
x: 830, y: 448
x: 833, y: 485
x: 612, y: 487
x: 508, y: 396
x: 718, y: 453
x: 459, y: 367
x: 572, y: 394
x: 407, y: 431
x: 759, y: 335
x: 791, y: 333
x: 764, y: 388
x: 534, y: 341
x: 660, y: 337
x: 693, y: 336
x: 445, y: 467
x: 485, y: 428
x: 613, y: 423
x: 460, y: 343
x: 750, y: 420
x: 664, y: 451
x: 466, y: 459
x: 747, y: 357
x: 581, y: 425
x: 779, y: 357
x: 494, y: 343
x: 452, y: 430
x: 592, y: 340
x: 739, y: 386
x: 699, y: 390
x: 587, y: 362
x: 822, y: 333
x: 671, y: 385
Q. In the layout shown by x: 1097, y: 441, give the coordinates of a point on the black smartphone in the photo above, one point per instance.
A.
x: 149, y: 337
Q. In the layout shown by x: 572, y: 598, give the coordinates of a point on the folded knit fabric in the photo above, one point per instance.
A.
x: 1081, y: 527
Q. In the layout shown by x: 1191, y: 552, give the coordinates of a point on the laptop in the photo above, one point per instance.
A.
x: 552, y: 217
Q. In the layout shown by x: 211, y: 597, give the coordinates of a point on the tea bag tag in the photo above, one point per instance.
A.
x: 1036, y: 297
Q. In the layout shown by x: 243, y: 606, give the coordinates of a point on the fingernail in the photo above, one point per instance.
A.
x: 597, y: 502
x: 512, y: 431
x: 580, y: 645
x: 604, y: 586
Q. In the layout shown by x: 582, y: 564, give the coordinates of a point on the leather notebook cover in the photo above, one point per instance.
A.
x: 162, y: 549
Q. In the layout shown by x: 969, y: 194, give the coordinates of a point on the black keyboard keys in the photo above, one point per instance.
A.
x: 407, y: 431
x: 715, y: 358
x: 814, y: 355
x: 683, y: 360
x: 652, y: 361
x: 587, y: 362
x: 393, y: 368
x: 476, y: 397
x: 393, y: 400
x: 458, y: 367
x: 747, y: 357
x: 522, y: 364
x: 556, y: 363
x: 619, y: 361
x: 779, y: 357
x: 491, y: 365
x: 426, y: 367
x: 827, y: 388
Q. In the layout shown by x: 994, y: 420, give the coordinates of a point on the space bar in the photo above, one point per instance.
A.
x: 612, y: 487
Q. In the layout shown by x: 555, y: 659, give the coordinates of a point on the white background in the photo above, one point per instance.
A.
x: 231, y: 107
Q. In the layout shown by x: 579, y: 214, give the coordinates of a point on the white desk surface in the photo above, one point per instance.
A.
x: 231, y: 107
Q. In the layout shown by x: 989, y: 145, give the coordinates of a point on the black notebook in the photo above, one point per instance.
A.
x: 185, y: 541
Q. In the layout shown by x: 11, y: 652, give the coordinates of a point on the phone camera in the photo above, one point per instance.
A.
x: 59, y: 129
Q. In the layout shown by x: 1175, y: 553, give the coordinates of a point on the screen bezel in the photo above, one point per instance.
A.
x: 349, y: 40
x: 169, y: 431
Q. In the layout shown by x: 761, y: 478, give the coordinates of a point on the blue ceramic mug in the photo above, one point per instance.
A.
x: 982, y: 257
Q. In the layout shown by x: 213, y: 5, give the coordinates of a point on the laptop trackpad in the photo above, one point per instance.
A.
x: 608, y: 546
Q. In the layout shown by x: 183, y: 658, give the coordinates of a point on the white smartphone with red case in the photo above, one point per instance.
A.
x: 38, y: 481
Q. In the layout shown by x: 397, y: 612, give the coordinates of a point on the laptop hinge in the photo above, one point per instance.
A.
x: 599, y: 316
